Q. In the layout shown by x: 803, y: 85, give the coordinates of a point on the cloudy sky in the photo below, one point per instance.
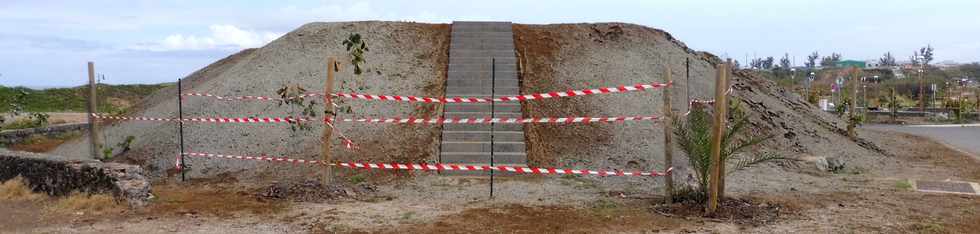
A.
x: 45, y: 43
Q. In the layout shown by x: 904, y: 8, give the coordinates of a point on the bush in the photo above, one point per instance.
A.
x: 694, y: 138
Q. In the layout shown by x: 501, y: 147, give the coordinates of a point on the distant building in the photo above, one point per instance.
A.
x: 850, y: 63
x: 872, y: 63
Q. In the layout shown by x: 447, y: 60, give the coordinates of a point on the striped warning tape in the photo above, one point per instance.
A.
x: 210, y: 120
x: 440, y: 120
x: 242, y: 98
x: 570, y: 93
x: 503, y: 120
x: 347, y: 141
x: 440, y: 166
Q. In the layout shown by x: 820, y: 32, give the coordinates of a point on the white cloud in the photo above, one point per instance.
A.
x: 222, y: 36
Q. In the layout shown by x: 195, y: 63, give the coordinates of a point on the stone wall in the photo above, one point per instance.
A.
x: 8, y: 137
x: 59, y: 176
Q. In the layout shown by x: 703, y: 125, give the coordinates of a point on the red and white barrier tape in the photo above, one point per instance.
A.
x: 486, y: 120
x: 347, y: 141
x: 441, y: 167
x: 570, y: 93
x: 211, y: 120
x: 503, y: 120
x: 241, y: 98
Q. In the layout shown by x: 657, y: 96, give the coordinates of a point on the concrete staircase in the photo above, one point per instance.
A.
x: 473, y: 46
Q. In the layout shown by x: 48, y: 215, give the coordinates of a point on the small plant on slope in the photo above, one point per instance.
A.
x: 694, y: 138
x: 356, y: 48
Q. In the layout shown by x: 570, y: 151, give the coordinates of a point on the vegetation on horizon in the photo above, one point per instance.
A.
x: 112, y: 98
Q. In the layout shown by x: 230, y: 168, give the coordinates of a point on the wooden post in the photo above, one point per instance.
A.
x: 717, y: 130
x: 855, y: 80
x: 668, y: 135
x: 922, y: 92
x: 329, y: 115
x: 93, y: 123
x: 721, y: 166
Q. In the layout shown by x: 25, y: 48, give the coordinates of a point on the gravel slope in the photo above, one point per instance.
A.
x: 404, y: 59
x: 576, y: 56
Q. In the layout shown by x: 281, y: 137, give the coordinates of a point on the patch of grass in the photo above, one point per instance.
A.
x: 83, y: 203
x: 408, y: 215
x: 41, y: 144
x: 578, y: 182
x: 74, y: 99
x: 903, y: 185
x: 929, y: 227
x: 16, y: 190
x: 357, y: 179
x: 21, y: 124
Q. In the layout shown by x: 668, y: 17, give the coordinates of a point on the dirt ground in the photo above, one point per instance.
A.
x: 859, y: 201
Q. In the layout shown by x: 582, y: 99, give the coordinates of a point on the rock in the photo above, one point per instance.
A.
x: 58, y: 176
x: 830, y: 164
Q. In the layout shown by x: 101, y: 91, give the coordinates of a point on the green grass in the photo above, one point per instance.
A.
x: 75, y: 99
x: 21, y: 124
x: 903, y: 184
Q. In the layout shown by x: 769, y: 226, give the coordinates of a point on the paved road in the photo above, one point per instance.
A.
x: 963, y: 138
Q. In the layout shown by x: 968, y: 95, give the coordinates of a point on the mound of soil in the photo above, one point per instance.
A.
x: 405, y: 59
x: 314, y: 191
x: 743, y: 211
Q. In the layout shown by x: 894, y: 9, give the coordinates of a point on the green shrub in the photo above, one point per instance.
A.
x: 694, y: 138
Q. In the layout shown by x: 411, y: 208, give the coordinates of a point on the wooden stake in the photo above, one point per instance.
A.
x: 93, y: 124
x: 717, y: 130
x: 331, y: 114
x: 722, y: 165
x: 668, y: 135
x: 922, y: 92
x: 855, y: 81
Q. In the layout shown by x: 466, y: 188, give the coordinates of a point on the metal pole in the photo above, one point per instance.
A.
x: 687, y: 72
x: 180, y: 130
x: 93, y: 123
x: 493, y: 81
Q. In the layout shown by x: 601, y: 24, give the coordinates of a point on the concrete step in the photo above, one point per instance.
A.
x: 483, y: 41
x: 503, y: 60
x: 500, y: 73
x: 482, y: 75
x: 482, y: 92
x: 483, y: 107
x: 481, y: 114
x: 459, y: 26
x: 483, y: 127
x: 482, y: 53
x: 483, y: 66
x: 497, y: 83
x: 513, y: 136
x: 483, y: 174
x: 483, y: 157
x: 482, y: 146
x: 485, y: 34
x: 482, y: 28
x: 483, y: 45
